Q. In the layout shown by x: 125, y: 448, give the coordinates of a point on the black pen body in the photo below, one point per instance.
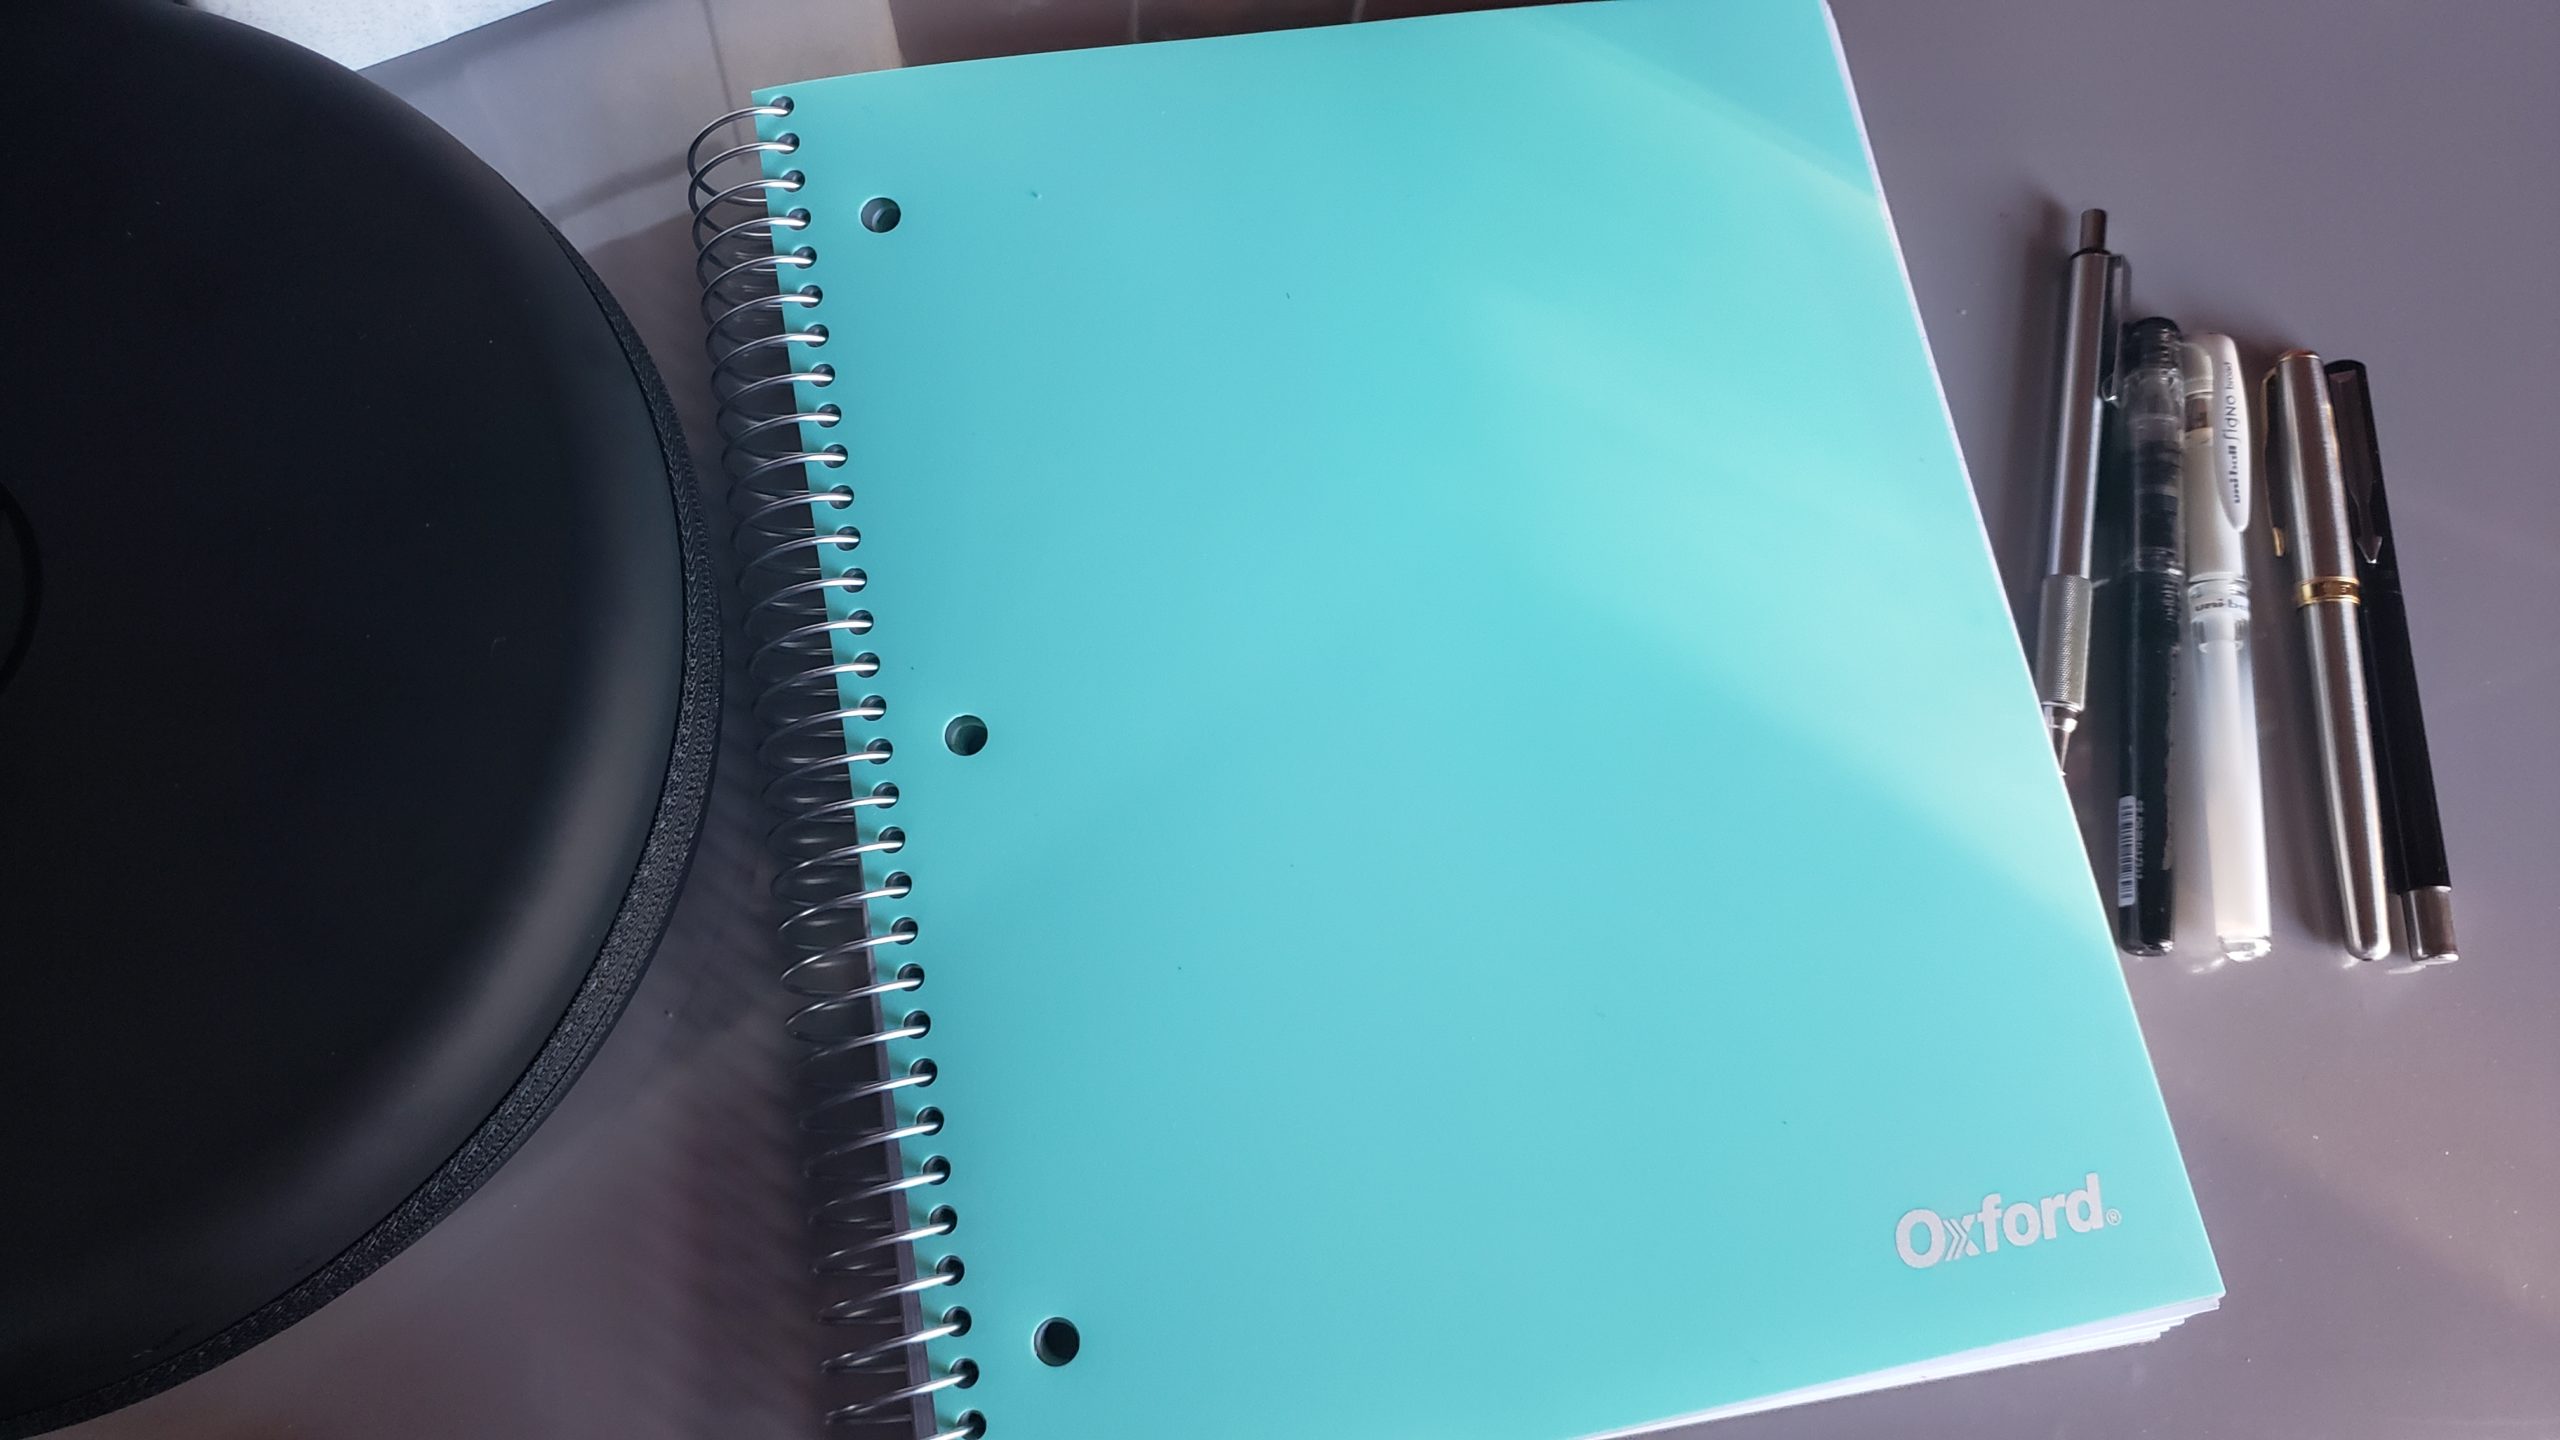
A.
x: 2415, y: 848
x: 2152, y: 587
x: 2413, y: 830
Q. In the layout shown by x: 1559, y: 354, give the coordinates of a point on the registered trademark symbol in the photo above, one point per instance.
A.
x: 2115, y: 1217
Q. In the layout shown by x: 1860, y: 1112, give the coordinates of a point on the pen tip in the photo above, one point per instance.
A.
x: 2426, y: 913
x: 2093, y: 229
x: 2061, y: 745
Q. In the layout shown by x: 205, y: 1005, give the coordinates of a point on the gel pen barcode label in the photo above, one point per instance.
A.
x: 2128, y: 848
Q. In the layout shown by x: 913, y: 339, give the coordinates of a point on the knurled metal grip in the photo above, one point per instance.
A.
x: 2062, y: 643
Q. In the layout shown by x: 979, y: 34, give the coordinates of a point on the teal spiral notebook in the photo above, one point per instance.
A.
x: 1456, y: 838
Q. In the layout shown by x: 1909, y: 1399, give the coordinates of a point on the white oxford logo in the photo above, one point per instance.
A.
x: 1925, y: 1237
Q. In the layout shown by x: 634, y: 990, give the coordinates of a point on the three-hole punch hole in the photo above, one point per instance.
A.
x: 965, y: 735
x: 880, y: 215
x: 1055, y: 1341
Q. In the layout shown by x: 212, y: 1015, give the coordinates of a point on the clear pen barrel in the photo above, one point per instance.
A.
x: 2234, y: 849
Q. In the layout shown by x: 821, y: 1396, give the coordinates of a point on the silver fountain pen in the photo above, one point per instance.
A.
x: 2314, y: 528
x: 2062, y: 610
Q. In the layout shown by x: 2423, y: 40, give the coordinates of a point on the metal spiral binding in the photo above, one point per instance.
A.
x: 777, y: 485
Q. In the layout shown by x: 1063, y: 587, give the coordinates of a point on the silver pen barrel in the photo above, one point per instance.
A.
x: 2062, y: 610
x: 2315, y: 532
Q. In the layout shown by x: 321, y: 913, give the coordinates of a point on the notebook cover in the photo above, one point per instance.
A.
x: 1515, y: 852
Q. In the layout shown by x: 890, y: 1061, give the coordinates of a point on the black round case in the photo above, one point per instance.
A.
x: 358, y: 679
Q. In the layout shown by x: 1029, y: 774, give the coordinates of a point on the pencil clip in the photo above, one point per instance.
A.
x: 2111, y: 326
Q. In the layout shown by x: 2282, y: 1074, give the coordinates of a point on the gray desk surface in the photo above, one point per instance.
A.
x: 2378, y: 1154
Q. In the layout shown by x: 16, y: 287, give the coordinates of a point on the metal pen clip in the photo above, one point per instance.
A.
x: 2367, y: 535
x: 2356, y: 459
x: 2277, y: 456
